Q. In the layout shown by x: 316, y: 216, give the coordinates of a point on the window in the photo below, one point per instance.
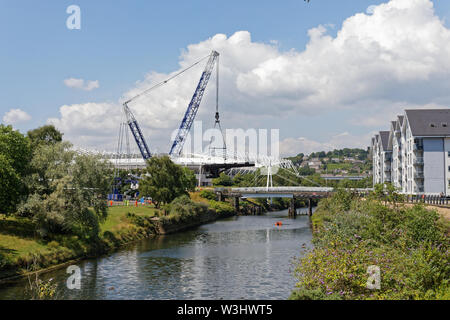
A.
x: 444, y: 124
x: 432, y: 125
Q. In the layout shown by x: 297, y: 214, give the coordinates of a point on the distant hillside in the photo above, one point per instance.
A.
x: 337, y: 162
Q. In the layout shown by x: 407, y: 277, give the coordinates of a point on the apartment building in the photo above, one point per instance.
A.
x: 381, y: 157
x: 419, y: 147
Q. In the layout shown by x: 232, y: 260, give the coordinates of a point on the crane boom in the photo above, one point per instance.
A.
x: 137, y: 133
x: 192, y: 109
x: 132, y: 122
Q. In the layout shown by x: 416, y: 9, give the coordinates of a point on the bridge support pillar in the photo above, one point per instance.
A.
x: 292, y: 210
x: 236, y: 203
x: 310, y: 211
x: 220, y: 197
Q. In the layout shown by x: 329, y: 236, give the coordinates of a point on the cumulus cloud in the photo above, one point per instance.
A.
x: 15, y: 116
x: 379, y: 62
x: 81, y: 84
x: 89, y: 124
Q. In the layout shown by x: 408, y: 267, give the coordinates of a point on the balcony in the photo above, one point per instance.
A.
x: 417, y: 147
x: 387, y: 168
x: 418, y: 175
x: 418, y: 161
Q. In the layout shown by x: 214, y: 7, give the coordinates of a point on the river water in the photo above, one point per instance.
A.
x: 245, y: 257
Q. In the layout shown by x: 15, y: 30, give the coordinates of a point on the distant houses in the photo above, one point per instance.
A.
x: 333, y: 165
x: 414, y: 155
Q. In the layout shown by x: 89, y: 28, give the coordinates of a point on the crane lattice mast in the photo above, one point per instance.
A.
x: 137, y: 133
x: 192, y: 109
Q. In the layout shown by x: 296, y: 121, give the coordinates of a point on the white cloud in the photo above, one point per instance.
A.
x: 89, y: 124
x: 379, y: 115
x: 378, y: 63
x: 371, y: 9
x: 81, y: 84
x: 15, y: 116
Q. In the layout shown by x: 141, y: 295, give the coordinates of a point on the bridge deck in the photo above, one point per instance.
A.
x: 282, y: 192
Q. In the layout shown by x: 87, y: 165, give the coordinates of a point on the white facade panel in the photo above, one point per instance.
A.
x: 434, y: 166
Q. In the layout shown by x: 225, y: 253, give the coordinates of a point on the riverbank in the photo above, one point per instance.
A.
x: 22, y: 252
x: 407, y: 244
x: 238, y: 258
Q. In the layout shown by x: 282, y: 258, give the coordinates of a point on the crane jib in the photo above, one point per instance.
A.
x: 140, y: 141
x: 192, y: 109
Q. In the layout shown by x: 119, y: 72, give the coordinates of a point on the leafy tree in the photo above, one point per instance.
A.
x: 188, y: 179
x: 164, y: 180
x: 68, y: 191
x: 10, y: 186
x: 44, y: 135
x: 223, y: 180
x: 49, y: 163
x: 15, y: 155
x: 16, y: 148
x: 306, y: 171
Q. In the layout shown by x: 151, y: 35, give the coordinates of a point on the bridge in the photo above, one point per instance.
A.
x: 306, y: 193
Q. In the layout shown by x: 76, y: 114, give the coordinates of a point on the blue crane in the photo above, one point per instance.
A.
x: 137, y: 133
x: 193, y: 106
x: 186, y: 124
x: 192, y: 109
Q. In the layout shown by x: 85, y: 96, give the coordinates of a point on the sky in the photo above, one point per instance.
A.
x: 328, y: 74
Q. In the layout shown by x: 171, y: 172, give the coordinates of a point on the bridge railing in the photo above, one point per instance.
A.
x: 288, y: 189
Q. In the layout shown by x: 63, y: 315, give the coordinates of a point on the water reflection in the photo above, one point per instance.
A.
x: 237, y: 258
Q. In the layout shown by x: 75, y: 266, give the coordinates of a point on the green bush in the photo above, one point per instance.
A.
x: 222, y: 208
x: 410, y: 245
x: 208, y: 194
x: 183, y: 209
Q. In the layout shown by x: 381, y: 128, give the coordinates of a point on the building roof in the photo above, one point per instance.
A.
x: 391, y: 134
x: 384, y: 135
x: 429, y: 122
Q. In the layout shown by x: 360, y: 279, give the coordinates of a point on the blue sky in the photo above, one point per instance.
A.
x: 120, y: 42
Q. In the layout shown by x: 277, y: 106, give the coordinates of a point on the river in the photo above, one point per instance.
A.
x: 244, y: 257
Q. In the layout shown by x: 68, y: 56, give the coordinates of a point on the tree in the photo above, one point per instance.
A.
x: 15, y: 155
x: 16, y: 148
x: 44, y: 135
x: 188, y: 179
x: 10, y: 186
x: 223, y: 180
x: 164, y: 180
x: 68, y: 191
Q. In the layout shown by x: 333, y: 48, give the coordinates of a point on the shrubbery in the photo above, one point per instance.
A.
x: 409, y: 244
x: 183, y: 209
x: 222, y: 208
x: 208, y: 194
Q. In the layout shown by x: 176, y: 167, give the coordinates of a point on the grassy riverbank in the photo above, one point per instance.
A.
x: 409, y: 245
x: 22, y: 250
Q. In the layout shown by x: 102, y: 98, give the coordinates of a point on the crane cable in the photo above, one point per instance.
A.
x: 165, y: 81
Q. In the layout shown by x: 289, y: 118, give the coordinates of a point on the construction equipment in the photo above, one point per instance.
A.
x: 192, y: 109
x: 132, y: 123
